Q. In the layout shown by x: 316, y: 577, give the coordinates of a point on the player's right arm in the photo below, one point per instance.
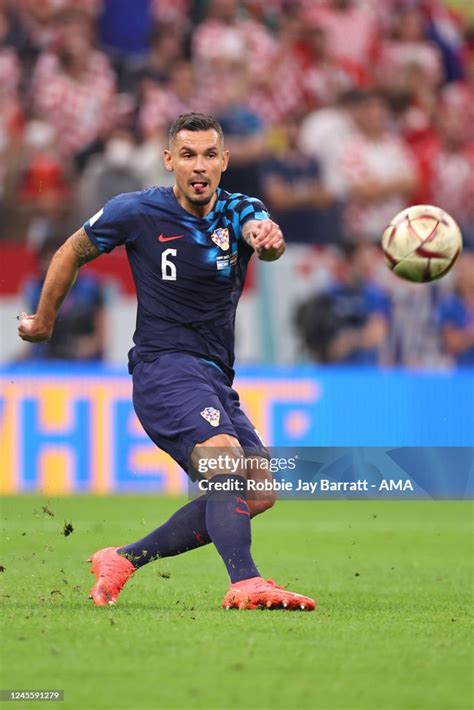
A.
x: 62, y: 273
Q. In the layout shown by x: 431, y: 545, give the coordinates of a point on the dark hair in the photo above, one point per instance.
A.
x: 195, y: 122
x: 349, y: 250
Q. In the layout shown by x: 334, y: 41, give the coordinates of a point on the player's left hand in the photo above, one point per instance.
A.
x: 267, y: 235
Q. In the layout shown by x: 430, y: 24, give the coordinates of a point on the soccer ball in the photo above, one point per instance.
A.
x: 421, y: 243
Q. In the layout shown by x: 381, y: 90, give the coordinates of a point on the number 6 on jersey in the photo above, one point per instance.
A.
x: 168, y: 269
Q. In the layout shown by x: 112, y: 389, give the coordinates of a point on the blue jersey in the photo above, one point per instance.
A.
x: 455, y: 312
x: 352, y: 308
x: 75, y: 322
x: 189, y: 271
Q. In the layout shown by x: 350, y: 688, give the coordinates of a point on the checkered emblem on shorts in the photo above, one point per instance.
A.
x: 211, y: 415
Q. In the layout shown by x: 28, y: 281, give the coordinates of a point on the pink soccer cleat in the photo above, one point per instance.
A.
x: 259, y: 593
x: 111, y: 572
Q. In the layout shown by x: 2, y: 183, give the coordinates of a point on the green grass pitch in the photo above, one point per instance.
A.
x: 393, y: 582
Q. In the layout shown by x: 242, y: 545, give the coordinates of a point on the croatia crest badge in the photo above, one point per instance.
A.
x: 221, y: 238
x: 211, y: 415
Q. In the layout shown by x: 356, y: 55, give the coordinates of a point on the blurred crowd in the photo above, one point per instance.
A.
x: 338, y: 113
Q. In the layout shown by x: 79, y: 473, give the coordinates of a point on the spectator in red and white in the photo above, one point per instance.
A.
x: 10, y: 77
x: 160, y: 104
x: 74, y: 89
x: 324, y: 135
x: 460, y: 94
x: 39, y: 17
x: 172, y: 13
x: 276, y: 92
x: 414, y: 101
x: 323, y: 77
x: 280, y: 92
x: 225, y: 35
x: 450, y: 173
x: 352, y: 28
x: 379, y: 170
x: 410, y: 48
x: 223, y: 39
x: 411, y: 79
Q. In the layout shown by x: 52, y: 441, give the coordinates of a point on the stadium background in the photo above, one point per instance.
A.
x: 392, y: 578
x: 87, y: 92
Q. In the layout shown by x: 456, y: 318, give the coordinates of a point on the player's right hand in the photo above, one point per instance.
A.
x: 31, y: 330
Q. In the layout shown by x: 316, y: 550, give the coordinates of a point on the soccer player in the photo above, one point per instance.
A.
x: 188, y: 247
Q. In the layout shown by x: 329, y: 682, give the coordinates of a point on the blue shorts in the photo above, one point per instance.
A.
x: 182, y: 400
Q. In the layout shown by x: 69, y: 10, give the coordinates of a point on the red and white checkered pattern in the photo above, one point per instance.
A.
x: 214, y: 41
x: 353, y: 35
x: 79, y: 111
x: 50, y: 7
x: 282, y: 93
x: 452, y: 183
x: 322, y: 83
x: 171, y: 11
x: 161, y: 107
x: 460, y: 96
x: 380, y: 161
x: 42, y: 32
x: 10, y: 71
x: 397, y: 57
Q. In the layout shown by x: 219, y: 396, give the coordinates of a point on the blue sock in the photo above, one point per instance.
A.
x: 184, y: 531
x: 228, y: 525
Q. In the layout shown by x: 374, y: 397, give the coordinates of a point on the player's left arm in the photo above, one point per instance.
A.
x: 265, y: 237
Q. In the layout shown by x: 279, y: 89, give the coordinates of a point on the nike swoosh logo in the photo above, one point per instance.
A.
x: 162, y: 237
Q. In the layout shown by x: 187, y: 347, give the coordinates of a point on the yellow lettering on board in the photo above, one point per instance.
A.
x: 9, y: 442
x: 54, y: 472
x: 56, y: 407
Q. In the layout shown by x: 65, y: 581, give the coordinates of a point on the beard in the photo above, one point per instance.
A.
x: 203, y: 200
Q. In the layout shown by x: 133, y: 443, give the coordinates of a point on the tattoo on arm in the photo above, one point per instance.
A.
x: 83, y: 248
x: 247, y: 234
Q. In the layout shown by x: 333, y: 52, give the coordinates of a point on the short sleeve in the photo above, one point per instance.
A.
x: 252, y: 208
x: 377, y: 302
x: 118, y: 222
x: 451, y: 313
